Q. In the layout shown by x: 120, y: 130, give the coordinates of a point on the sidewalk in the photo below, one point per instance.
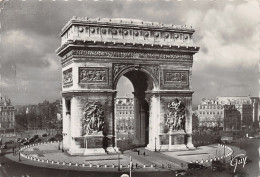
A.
x: 48, y: 155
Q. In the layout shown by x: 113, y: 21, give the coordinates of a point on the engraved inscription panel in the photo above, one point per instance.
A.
x: 177, y: 139
x: 176, y: 77
x: 93, y: 75
x: 67, y: 76
x: 94, y: 142
x: 164, y: 139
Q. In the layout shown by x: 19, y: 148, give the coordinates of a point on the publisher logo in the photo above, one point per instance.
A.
x: 237, y: 160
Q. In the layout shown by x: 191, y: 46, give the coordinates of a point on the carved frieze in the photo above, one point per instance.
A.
x: 93, y: 75
x: 119, y: 67
x: 176, y: 77
x: 67, y: 77
x: 176, y: 115
x: 153, y: 69
x: 131, y: 55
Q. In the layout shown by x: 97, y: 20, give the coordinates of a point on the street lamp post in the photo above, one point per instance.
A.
x: 62, y: 150
x: 155, y: 144
x: 19, y: 152
x: 118, y: 160
x: 59, y: 145
x: 224, y: 152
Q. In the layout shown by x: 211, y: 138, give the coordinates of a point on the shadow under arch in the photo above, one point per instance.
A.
x: 143, y: 80
x: 151, y: 80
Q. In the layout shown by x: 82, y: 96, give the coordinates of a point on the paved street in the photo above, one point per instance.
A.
x: 12, y: 168
x: 172, y: 160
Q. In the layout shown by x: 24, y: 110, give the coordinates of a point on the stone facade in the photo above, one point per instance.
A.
x: 124, y: 114
x: 156, y: 58
x: 232, y: 118
x: 7, y: 115
x: 210, y: 114
x: 247, y: 106
x: 213, y: 113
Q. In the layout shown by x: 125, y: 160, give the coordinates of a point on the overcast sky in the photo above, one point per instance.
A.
x: 227, y: 33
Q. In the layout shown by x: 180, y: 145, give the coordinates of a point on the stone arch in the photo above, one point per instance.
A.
x: 143, y: 80
x: 96, y: 53
x: 151, y: 75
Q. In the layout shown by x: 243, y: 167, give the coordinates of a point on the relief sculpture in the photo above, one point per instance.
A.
x: 176, y: 77
x: 118, y: 68
x: 92, y: 75
x: 176, y: 115
x: 93, y: 121
x: 153, y: 68
x: 67, y: 76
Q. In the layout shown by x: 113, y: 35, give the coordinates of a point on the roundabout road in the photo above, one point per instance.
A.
x: 11, y: 168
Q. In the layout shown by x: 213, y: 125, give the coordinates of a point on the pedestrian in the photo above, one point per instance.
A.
x: 138, y: 152
x: 144, y: 153
x: 136, y: 165
x: 13, y: 150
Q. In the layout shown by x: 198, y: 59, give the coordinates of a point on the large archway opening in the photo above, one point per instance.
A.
x: 132, y: 107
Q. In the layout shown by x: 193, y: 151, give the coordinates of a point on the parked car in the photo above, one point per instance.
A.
x: 25, y: 143
x: 36, y: 136
x: 44, y: 135
x: 52, y: 139
x: 22, y: 140
x: 38, y: 140
x: 58, y: 137
x: 32, y: 140
x: 17, y: 140
x: 9, y: 142
x: 3, y: 147
x: 217, y: 166
x: 182, y: 173
x: 195, y: 166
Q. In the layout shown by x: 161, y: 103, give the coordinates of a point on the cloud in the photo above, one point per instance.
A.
x: 24, y: 49
x: 227, y: 33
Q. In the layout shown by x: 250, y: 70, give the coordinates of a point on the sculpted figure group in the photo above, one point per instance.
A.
x: 176, y: 115
x: 93, y: 118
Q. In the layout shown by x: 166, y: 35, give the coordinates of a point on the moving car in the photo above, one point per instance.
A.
x: 3, y: 147
x: 182, y: 173
x: 9, y: 142
x: 25, y: 143
x: 195, y: 166
x: 217, y: 166
x: 52, y: 139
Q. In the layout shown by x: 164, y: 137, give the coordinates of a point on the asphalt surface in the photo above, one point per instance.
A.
x: 10, y: 168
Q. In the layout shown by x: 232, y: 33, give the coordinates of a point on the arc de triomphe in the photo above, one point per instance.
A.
x: 156, y: 58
